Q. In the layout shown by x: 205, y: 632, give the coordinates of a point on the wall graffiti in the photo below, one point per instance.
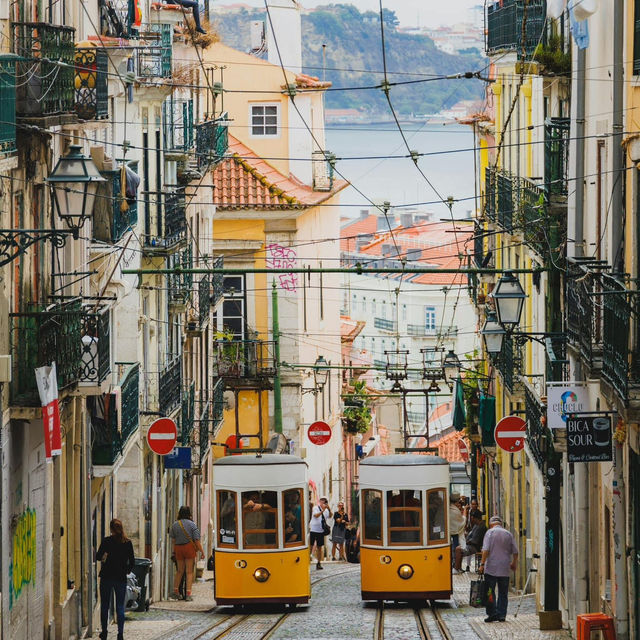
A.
x: 279, y: 257
x: 23, y: 561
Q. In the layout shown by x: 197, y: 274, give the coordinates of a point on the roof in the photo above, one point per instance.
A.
x: 402, y: 460
x: 266, y: 458
x: 304, y: 81
x: 448, y: 447
x: 245, y: 181
x: 350, y: 329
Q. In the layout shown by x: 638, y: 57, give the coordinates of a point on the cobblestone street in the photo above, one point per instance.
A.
x: 335, y: 613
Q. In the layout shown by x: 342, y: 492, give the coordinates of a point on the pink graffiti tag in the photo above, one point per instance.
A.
x: 279, y: 257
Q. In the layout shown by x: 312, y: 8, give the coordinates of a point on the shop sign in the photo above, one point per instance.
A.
x: 589, y: 438
x: 566, y: 398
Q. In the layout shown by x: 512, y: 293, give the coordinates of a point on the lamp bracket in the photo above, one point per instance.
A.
x: 15, y: 242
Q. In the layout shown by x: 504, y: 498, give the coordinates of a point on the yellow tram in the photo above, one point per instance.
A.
x: 261, y: 549
x: 404, y: 540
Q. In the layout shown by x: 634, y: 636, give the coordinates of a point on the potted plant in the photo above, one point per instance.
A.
x: 229, y: 357
x: 357, y: 417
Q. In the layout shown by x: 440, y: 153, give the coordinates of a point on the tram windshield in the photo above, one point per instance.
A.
x: 437, y: 518
x: 372, y: 507
x: 404, y: 507
x: 227, y: 520
x: 260, y: 519
x: 292, y: 524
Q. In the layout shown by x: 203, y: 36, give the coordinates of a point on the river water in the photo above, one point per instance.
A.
x: 362, y: 149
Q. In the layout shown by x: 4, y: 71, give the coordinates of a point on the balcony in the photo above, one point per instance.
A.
x: 556, y: 155
x: 531, y: 216
x: 96, y: 345
x: 170, y: 386
x: 212, y: 142
x: 177, y: 122
x: 111, y: 431
x: 113, y: 214
x: 204, y: 440
x: 503, y: 26
x: 217, y: 405
x: 584, y: 331
x: 509, y: 364
x: 117, y: 18
x: 91, y: 77
x: 204, y: 301
x: 180, y: 284
x: 505, y: 199
x: 490, y: 193
x: 385, y: 325
x: 539, y: 439
x: 39, y: 338
x: 420, y: 330
x: 48, y: 90
x: 154, y: 60
x: 244, y: 359
x: 217, y: 283
x: 187, y: 415
x: 7, y: 105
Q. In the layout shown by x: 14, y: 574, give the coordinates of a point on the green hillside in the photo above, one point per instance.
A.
x: 354, y: 59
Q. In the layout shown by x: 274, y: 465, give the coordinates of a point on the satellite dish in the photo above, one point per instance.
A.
x: 277, y: 443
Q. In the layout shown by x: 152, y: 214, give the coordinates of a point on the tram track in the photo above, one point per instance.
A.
x: 428, y: 620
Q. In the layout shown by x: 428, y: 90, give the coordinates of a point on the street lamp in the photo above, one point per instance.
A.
x: 451, y: 368
x: 509, y: 298
x: 320, y: 373
x: 493, y: 333
x: 74, y: 183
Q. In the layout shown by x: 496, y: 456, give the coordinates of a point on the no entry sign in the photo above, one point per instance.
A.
x: 464, y: 451
x: 510, y: 434
x: 319, y: 432
x: 162, y: 436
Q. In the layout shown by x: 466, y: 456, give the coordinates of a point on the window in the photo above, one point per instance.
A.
x: 292, y: 522
x: 264, y: 120
x: 354, y: 304
x: 373, y: 307
x: 404, y: 311
x: 430, y: 319
x: 405, y: 516
x: 259, y: 519
x: 436, y: 517
x: 227, y: 522
x: 372, y: 509
x: 232, y: 318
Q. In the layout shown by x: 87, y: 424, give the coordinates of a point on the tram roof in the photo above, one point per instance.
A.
x: 264, y: 459
x: 402, y: 460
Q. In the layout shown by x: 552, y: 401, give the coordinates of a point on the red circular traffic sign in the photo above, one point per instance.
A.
x: 464, y: 450
x: 510, y: 434
x: 319, y: 432
x: 233, y: 442
x: 162, y: 436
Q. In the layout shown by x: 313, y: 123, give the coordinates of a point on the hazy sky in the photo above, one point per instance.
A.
x: 428, y: 12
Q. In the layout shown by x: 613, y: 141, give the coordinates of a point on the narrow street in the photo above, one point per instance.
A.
x: 336, y: 612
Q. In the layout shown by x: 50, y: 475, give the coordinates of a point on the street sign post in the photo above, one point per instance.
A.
x: 464, y: 451
x: 319, y: 432
x: 510, y: 434
x: 162, y: 436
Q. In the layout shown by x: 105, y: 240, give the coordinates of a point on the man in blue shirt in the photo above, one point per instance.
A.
x: 499, y: 557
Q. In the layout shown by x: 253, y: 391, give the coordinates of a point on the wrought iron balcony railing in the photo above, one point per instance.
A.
x: 217, y: 405
x: 46, y: 70
x: 170, y: 387
x: 7, y: 104
x: 180, y: 285
x: 39, y: 338
x: 204, y: 301
x: 110, y: 431
x: 538, y: 436
x: 420, y: 330
x: 187, y: 416
x: 504, y: 21
x: 204, y: 440
x: 490, y: 206
x: 168, y: 230
x: 96, y: 345
x: 505, y: 199
x: 177, y: 122
x: 384, y: 324
x: 217, y: 283
x: 91, y: 77
x: 244, y: 359
x: 212, y: 142
x: 114, y: 214
x: 584, y: 330
x: 556, y: 155
x: 154, y: 60
x: 509, y: 364
x: 117, y: 18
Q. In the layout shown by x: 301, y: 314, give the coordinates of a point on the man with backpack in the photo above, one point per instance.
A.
x: 318, y: 529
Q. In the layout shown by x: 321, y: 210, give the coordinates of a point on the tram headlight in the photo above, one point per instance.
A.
x: 405, y: 571
x: 262, y: 575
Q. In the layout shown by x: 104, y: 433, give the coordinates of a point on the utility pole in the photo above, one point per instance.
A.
x: 277, y: 388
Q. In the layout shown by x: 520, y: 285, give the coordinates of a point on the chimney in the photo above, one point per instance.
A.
x: 257, y: 36
x: 383, y: 225
x: 413, y: 255
x: 406, y: 220
x: 389, y: 250
x: 285, y: 29
x: 364, y: 214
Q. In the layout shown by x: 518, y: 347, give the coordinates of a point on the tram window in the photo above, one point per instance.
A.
x: 227, y: 521
x: 372, y: 506
x: 437, y: 518
x: 405, y: 516
x: 292, y: 524
x: 259, y: 519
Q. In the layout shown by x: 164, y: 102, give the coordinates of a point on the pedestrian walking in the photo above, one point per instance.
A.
x: 473, y: 542
x: 499, y: 557
x: 318, y: 529
x: 186, y: 545
x: 340, y: 522
x: 115, y: 554
x: 456, y: 521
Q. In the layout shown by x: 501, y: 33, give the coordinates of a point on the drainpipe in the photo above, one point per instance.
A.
x: 277, y: 388
x: 620, y: 545
x: 580, y: 129
x: 617, y: 161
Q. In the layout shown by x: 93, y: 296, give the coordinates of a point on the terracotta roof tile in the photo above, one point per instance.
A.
x: 304, y: 81
x: 245, y: 181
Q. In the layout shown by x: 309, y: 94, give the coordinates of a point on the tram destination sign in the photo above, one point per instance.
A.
x: 589, y: 438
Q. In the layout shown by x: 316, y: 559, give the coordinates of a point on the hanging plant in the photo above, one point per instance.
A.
x: 357, y: 416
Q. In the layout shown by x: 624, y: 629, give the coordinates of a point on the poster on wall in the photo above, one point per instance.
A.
x: 589, y: 438
x: 564, y: 398
x: 47, y: 381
